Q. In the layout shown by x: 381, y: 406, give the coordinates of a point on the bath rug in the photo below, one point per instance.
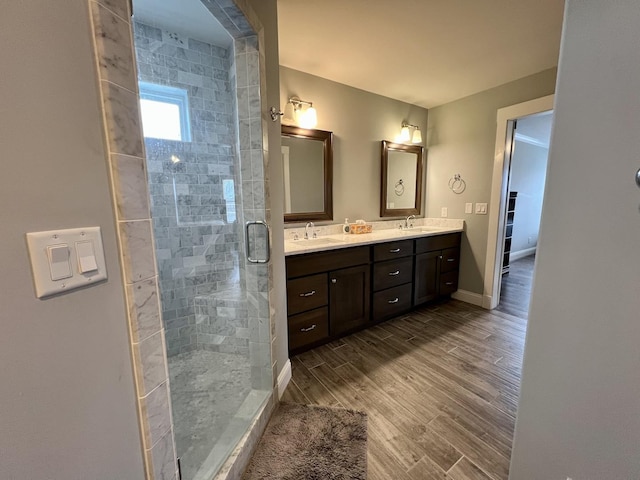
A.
x: 307, y: 442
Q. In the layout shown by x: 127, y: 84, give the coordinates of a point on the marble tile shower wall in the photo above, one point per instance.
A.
x: 195, y: 227
x: 116, y: 72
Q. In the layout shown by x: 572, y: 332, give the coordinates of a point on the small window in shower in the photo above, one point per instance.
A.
x: 165, y: 112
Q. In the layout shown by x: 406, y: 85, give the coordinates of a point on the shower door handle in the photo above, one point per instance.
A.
x: 267, y: 255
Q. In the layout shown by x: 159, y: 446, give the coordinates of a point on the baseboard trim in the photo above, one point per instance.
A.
x: 468, y: 297
x: 487, y: 302
x: 284, y: 378
x: 522, y: 253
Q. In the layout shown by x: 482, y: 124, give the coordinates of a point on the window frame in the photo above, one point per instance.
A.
x: 173, y: 96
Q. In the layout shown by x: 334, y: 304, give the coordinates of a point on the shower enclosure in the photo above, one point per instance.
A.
x: 200, y: 104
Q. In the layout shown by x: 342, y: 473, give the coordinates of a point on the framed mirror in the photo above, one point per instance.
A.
x: 401, y: 181
x: 307, y: 160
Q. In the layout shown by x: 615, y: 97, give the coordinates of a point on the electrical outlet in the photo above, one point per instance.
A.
x: 444, y: 212
x: 468, y: 208
x: 481, y: 208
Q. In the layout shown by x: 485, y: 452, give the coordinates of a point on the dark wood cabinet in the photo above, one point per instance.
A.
x: 436, y: 267
x: 426, y: 283
x: 328, y: 294
x: 392, y: 278
x: 348, y: 299
x: 333, y: 293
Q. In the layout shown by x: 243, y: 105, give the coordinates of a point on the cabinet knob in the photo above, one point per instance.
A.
x: 333, y: 280
x: 440, y: 257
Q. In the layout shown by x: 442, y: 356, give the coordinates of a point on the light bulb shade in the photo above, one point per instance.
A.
x: 417, y: 136
x: 404, y: 134
x: 289, y: 113
x: 309, y: 119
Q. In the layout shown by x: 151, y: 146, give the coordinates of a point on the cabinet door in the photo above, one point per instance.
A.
x: 427, y: 277
x: 349, y: 294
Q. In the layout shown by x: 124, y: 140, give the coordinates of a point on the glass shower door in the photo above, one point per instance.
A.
x: 199, y: 90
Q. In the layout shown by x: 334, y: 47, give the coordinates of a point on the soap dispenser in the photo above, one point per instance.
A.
x: 346, y: 228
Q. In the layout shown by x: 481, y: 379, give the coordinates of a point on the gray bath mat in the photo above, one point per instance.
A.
x: 304, y: 442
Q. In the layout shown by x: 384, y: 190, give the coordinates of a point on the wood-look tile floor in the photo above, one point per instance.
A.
x: 439, y: 385
x: 515, y: 289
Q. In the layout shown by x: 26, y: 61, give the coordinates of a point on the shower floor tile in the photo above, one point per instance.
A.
x: 207, y: 389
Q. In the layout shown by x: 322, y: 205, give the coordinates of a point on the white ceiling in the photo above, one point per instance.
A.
x: 189, y: 17
x: 424, y: 52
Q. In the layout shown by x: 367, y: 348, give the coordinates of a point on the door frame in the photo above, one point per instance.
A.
x: 499, y: 186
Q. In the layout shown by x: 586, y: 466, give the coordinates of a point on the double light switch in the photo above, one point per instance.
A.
x: 62, y: 260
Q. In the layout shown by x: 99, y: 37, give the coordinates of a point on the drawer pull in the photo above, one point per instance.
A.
x: 312, y: 327
x: 333, y: 280
x: 395, y: 300
x: 448, y: 283
x: 308, y: 294
x: 394, y: 250
x: 440, y: 257
x: 451, y: 259
x: 393, y: 274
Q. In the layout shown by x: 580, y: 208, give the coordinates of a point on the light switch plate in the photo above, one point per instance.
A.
x: 444, y: 212
x: 40, y: 244
x: 481, y: 208
x: 468, y: 208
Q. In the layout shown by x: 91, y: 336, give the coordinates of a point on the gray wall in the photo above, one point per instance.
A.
x: 67, y: 400
x: 360, y: 121
x: 580, y: 399
x: 461, y: 139
x: 528, y: 171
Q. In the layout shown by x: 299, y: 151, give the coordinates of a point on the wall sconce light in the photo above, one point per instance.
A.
x: 307, y: 118
x: 405, y: 133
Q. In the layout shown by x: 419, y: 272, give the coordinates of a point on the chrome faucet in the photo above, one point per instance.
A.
x: 406, y: 221
x: 313, y: 232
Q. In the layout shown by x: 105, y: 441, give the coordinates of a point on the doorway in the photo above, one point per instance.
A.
x: 506, y: 144
x: 526, y: 181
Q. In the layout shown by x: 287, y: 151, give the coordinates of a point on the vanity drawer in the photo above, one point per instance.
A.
x: 307, y: 293
x: 299, y: 265
x: 309, y: 327
x: 392, y: 301
x: 450, y: 260
x: 437, y: 242
x: 448, y: 282
x: 390, y: 250
x: 392, y: 272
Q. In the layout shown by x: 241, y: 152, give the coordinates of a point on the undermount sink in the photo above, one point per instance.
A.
x: 317, y: 241
x: 421, y: 230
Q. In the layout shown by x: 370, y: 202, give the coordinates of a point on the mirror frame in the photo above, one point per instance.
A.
x: 418, y: 151
x: 327, y: 139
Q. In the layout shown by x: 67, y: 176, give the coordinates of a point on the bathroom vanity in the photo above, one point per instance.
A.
x: 337, y: 285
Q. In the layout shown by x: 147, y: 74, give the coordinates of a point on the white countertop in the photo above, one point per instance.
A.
x: 336, y: 241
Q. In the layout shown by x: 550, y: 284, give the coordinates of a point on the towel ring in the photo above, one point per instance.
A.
x: 399, y: 188
x: 457, y: 184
